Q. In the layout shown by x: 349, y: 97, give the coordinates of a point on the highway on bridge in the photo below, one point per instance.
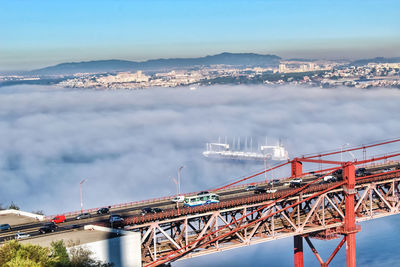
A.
x: 133, y: 213
x: 312, y: 207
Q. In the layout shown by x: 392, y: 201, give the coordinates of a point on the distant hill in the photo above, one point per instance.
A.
x: 234, y: 59
x: 301, y: 59
x: 376, y: 60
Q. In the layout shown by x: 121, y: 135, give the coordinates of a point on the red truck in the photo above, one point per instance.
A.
x: 58, y: 219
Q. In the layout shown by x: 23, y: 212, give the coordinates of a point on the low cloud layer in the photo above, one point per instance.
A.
x: 129, y: 143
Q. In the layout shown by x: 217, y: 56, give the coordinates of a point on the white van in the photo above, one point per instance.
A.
x: 178, y: 199
x: 330, y: 178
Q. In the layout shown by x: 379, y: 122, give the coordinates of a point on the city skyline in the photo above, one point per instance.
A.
x: 46, y: 33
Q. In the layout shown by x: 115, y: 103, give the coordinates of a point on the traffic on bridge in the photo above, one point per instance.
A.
x: 322, y: 203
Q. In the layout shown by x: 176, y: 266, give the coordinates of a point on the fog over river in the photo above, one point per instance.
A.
x: 128, y: 145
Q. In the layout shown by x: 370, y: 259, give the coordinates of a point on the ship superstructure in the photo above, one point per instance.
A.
x: 264, y: 152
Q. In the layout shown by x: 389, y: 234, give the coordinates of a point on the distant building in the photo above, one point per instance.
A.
x: 384, y: 65
x: 302, y: 66
x: 124, y: 77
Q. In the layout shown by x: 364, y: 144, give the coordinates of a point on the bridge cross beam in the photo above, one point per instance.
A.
x: 314, y: 250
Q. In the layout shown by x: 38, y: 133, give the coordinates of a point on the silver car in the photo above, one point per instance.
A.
x: 115, y: 218
x: 251, y: 188
x: 83, y: 216
x: 21, y: 235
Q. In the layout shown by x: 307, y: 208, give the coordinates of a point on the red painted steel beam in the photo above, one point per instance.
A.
x: 350, y: 218
x: 320, y: 161
x: 314, y: 250
x: 376, y: 159
x: 297, y: 170
x: 298, y: 251
x: 336, y: 251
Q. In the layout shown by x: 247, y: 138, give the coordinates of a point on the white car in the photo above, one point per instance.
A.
x: 178, y: 199
x: 297, y: 180
x: 21, y: 235
x: 269, y: 191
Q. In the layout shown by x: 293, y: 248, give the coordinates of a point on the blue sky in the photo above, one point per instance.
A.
x: 40, y: 33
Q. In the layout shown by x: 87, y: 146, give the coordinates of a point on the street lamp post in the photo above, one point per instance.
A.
x: 179, y: 179
x: 177, y: 193
x: 80, y: 189
x: 341, y: 151
x: 265, y: 169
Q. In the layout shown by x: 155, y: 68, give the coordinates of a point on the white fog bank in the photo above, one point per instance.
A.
x: 129, y: 143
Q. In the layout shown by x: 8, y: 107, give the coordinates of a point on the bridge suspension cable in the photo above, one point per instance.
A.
x: 359, y: 147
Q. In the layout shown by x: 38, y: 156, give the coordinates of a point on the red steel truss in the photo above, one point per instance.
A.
x: 315, y: 210
x: 349, y: 218
x: 320, y: 211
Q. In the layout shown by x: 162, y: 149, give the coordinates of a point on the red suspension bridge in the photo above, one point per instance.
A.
x: 315, y: 209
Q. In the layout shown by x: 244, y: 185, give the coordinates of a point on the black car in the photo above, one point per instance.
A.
x: 334, y: 179
x: 147, y: 210
x: 48, y: 227
x: 157, y: 210
x: 295, y: 184
x: 362, y: 172
x: 103, y: 211
x: 115, y: 218
x: 203, y: 193
x: 260, y: 191
x: 338, y: 172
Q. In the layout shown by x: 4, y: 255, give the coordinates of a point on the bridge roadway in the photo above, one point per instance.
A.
x: 316, y: 211
x: 239, y: 195
x: 280, y: 226
x: 133, y: 215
